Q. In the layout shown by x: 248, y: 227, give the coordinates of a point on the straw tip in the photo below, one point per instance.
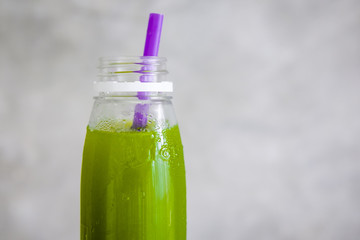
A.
x: 156, y: 17
x: 157, y: 14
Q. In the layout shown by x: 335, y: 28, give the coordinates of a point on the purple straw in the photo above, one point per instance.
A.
x: 153, y: 34
x: 151, y: 49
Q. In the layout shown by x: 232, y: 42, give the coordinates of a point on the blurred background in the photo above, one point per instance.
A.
x: 267, y: 94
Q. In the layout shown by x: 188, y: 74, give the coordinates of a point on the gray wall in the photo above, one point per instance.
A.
x: 267, y: 96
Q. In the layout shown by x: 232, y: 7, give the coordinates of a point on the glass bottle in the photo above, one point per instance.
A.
x: 133, y: 173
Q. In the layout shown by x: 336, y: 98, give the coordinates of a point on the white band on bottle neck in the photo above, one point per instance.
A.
x: 137, y: 86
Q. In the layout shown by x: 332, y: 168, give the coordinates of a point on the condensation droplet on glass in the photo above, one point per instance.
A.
x: 164, y: 152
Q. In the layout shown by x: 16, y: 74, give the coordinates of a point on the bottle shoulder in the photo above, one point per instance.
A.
x: 129, y: 113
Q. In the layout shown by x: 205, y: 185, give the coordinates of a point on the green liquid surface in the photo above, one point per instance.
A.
x: 133, y: 186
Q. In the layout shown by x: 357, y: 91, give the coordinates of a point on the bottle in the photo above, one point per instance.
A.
x: 133, y: 173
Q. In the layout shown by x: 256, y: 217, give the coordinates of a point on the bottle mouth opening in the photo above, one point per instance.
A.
x: 132, y: 74
x: 150, y: 96
x: 127, y: 66
x: 132, y: 59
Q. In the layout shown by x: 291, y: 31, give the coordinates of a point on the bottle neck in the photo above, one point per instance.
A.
x: 143, y: 77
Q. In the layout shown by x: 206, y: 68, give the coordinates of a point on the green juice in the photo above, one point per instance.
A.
x: 133, y: 185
